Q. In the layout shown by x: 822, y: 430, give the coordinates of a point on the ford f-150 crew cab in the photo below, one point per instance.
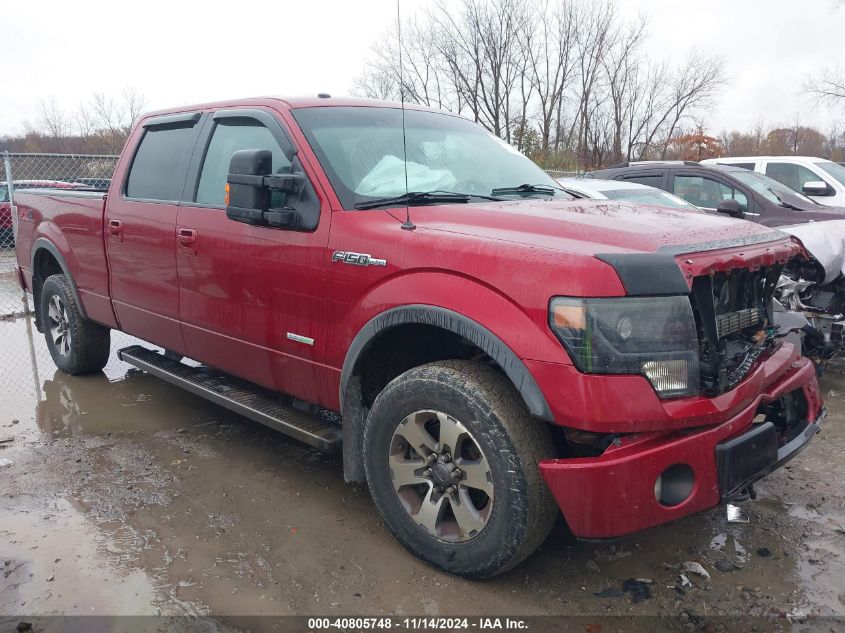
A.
x: 406, y: 287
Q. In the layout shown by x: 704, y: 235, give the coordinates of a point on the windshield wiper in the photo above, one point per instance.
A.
x: 544, y: 189
x: 785, y: 205
x: 422, y: 197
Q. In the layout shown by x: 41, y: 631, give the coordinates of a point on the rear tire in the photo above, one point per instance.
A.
x: 465, y: 417
x: 77, y: 345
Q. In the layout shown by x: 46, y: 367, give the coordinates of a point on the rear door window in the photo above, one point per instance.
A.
x: 161, y: 162
x: 705, y: 192
x: 231, y: 135
x: 748, y: 166
x: 651, y: 180
x: 792, y: 175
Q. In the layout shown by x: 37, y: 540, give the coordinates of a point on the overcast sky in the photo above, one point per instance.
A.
x: 179, y: 52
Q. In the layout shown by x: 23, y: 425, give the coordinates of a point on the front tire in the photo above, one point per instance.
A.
x: 77, y: 345
x: 451, y: 456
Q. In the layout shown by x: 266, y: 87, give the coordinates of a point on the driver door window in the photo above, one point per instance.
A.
x: 707, y: 193
x: 792, y: 175
x: 230, y: 136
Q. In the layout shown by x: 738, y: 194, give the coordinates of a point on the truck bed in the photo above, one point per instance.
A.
x: 73, y: 221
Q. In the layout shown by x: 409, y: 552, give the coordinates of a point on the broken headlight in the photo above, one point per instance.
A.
x: 652, y: 336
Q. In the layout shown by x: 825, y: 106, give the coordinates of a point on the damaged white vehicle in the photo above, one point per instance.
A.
x: 810, y: 297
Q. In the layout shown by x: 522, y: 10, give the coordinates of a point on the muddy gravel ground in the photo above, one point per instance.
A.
x: 122, y: 495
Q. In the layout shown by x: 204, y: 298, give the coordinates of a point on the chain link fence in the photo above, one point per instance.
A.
x: 25, y: 359
x: 41, y: 171
x: 559, y: 173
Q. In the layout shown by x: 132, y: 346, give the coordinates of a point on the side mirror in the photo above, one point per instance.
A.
x: 246, y: 196
x: 817, y: 188
x: 730, y: 207
x: 249, y: 188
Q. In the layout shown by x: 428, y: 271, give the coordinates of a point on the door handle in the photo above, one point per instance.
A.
x: 115, y: 229
x: 187, y: 239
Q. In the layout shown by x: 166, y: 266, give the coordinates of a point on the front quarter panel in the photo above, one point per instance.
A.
x: 503, y: 287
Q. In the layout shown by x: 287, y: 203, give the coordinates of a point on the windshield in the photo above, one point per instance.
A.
x: 647, y: 196
x: 361, y: 150
x: 834, y: 169
x: 771, y: 189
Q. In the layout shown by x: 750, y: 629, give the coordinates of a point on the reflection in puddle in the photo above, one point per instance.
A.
x: 56, y: 565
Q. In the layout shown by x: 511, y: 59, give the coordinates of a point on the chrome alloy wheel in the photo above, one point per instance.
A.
x: 441, y: 475
x: 58, y: 325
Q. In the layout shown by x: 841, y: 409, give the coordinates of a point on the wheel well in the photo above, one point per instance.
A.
x: 398, y: 349
x: 391, y: 352
x: 44, y: 264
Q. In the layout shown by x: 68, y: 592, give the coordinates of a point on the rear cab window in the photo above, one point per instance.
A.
x: 161, y: 159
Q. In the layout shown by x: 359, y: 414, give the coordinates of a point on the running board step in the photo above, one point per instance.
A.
x: 246, y: 399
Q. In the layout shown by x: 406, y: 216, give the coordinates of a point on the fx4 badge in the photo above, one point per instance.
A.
x: 357, y: 259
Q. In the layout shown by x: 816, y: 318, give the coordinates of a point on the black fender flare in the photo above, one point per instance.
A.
x: 354, y: 415
x: 45, y: 244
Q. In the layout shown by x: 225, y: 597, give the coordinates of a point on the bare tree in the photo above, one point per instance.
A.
x: 54, y: 122
x: 115, y: 118
x: 108, y: 118
x: 134, y: 103
x: 596, y: 24
x: 86, y: 124
x: 695, y: 84
x: 561, y: 79
x: 481, y: 44
x: 621, y: 66
x: 551, y: 64
x: 376, y: 82
x: 828, y: 88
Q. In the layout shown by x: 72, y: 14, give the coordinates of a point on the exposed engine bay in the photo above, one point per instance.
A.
x: 735, y: 324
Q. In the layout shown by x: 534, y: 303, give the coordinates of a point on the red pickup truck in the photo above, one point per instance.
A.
x: 406, y: 286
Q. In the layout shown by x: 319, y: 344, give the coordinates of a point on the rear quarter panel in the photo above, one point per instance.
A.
x: 73, y: 223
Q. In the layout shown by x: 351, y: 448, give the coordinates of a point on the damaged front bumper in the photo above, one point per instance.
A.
x: 646, y: 479
x: 746, y: 458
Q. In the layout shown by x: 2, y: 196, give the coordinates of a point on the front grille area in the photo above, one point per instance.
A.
x: 734, y: 320
x: 731, y: 322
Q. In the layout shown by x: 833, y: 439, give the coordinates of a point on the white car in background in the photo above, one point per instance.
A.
x: 625, y: 191
x: 817, y: 178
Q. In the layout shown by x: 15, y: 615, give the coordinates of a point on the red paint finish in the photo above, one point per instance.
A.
x: 140, y: 245
x: 628, y: 404
x: 22, y: 185
x: 185, y: 277
x: 243, y: 288
x: 5, y: 216
x: 613, y: 494
x: 74, y: 224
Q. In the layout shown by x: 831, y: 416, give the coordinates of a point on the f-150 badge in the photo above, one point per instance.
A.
x: 357, y: 259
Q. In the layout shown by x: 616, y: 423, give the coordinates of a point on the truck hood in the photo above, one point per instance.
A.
x: 590, y: 227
